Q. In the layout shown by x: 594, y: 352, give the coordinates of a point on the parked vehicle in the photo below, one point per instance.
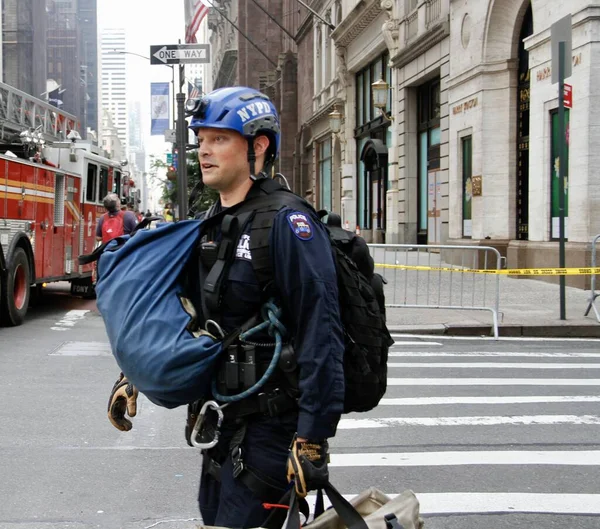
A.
x: 51, y: 189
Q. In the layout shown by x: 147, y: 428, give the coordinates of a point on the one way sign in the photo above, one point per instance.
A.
x: 180, y: 54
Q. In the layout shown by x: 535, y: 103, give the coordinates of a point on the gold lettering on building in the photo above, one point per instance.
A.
x: 463, y: 107
x: 546, y: 72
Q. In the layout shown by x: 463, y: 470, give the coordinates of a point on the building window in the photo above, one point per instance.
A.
x: 467, y: 173
x: 555, y: 185
x: 379, y: 69
x: 429, y: 157
x: 325, y: 194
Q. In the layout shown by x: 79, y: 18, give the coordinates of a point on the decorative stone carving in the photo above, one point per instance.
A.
x: 390, y: 28
x: 342, y: 70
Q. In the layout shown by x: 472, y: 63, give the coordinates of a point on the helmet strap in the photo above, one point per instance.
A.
x: 252, y: 158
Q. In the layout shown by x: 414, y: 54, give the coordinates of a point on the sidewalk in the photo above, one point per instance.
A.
x: 527, y: 308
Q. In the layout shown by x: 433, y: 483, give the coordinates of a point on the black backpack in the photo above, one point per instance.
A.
x: 367, y: 339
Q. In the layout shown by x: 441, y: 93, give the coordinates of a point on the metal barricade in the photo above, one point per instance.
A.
x: 593, y: 294
x: 434, y: 288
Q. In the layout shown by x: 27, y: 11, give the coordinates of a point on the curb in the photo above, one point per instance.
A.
x: 532, y: 331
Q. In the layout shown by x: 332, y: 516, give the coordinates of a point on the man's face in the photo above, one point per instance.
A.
x: 223, y: 156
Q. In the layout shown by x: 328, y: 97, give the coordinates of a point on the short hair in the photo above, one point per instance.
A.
x: 111, y: 202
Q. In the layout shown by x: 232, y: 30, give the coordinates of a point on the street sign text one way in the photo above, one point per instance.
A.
x: 180, y: 54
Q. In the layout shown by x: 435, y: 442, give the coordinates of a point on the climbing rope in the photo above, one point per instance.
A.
x: 270, y: 314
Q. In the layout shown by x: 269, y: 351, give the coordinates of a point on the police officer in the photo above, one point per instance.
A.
x: 279, y: 435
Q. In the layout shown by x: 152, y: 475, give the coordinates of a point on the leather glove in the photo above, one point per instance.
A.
x: 123, y: 397
x: 307, y: 465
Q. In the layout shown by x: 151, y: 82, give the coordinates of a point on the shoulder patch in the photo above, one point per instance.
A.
x: 300, y: 225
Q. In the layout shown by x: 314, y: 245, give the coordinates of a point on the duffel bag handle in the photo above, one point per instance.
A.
x: 349, y: 515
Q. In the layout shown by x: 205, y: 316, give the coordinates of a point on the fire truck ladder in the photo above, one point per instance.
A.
x: 20, y: 112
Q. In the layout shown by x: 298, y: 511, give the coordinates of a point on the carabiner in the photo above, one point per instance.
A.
x: 200, y: 422
x: 212, y: 323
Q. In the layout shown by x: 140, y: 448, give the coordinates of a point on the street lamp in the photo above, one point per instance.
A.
x: 335, y: 121
x: 120, y: 52
x: 380, y: 91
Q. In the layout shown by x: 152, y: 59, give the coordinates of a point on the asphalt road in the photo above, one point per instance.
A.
x: 488, y: 434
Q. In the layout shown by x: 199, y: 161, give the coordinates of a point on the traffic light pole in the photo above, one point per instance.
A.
x: 182, y: 179
x: 562, y: 162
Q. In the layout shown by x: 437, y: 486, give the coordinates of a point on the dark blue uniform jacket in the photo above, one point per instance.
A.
x: 306, y: 286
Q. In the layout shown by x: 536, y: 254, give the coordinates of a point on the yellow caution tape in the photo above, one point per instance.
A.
x: 504, y: 272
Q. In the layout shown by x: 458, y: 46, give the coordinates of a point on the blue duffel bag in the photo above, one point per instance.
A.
x: 149, y: 321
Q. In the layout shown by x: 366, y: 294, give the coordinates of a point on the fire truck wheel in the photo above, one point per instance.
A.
x: 15, y: 298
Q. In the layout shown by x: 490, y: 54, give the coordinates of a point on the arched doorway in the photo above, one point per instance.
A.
x: 523, y: 102
x: 374, y: 156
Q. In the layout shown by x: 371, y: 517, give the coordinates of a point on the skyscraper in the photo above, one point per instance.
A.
x: 88, y: 22
x: 64, y: 56
x: 23, y: 31
x: 114, y: 79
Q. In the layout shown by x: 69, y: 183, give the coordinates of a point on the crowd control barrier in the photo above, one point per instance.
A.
x: 593, y: 294
x: 440, y: 277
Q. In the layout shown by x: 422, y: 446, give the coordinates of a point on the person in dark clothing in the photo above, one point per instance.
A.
x: 279, y: 435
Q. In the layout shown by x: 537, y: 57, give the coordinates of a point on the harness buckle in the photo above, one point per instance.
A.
x: 200, y: 423
x: 237, y: 461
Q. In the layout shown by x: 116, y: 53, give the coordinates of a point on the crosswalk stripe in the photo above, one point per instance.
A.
x: 493, y: 354
x: 434, y: 401
x: 429, y: 459
x: 497, y: 502
x: 416, y: 343
x: 489, y: 420
x: 493, y: 382
x: 493, y: 365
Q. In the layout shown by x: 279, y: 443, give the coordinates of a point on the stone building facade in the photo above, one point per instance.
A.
x: 466, y: 150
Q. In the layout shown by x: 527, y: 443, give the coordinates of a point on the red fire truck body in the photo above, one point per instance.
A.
x: 48, y: 216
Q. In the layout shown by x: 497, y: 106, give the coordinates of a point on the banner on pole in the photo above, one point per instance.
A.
x: 160, y: 116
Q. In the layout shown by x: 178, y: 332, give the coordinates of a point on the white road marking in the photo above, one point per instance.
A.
x: 492, y: 420
x: 493, y: 365
x: 69, y: 320
x: 494, y: 353
x: 429, y: 459
x: 498, y: 502
x: 437, y: 401
x: 415, y: 343
x: 493, y: 381
x: 492, y: 339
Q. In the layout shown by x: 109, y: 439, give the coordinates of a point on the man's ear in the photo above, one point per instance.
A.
x: 261, y: 144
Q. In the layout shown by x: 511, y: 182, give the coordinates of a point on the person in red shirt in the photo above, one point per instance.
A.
x: 114, y: 222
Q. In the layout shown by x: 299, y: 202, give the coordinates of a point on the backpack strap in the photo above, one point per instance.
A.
x: 261, y: 230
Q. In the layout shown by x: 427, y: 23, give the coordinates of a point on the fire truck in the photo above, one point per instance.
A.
x: 51, y: 188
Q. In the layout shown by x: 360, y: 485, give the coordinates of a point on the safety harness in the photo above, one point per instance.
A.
x: 278, y: 394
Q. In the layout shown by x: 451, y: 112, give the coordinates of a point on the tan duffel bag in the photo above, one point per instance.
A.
x: 373, y: 506
x: 371, y: 509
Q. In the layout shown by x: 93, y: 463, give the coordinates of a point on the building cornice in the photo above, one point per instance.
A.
x: 421, y: 44
x: 587, y: 14
x: 489, y: 68
x: 324, y: 110
x: 365, y: 12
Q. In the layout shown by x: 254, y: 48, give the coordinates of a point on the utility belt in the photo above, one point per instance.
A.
x: 245, y: 363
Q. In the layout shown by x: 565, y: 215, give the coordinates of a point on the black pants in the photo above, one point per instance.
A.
x: 229, y: 503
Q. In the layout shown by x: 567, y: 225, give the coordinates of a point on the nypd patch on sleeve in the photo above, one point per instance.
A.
x: 300, y: 225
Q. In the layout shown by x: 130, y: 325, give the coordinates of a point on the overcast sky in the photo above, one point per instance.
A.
x: 147, y: 22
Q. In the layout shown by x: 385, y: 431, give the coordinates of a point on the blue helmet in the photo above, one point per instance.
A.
x: 243, y: 109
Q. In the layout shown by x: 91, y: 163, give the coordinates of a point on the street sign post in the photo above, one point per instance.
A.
x: 561, y: 41
x: 180, y: 54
